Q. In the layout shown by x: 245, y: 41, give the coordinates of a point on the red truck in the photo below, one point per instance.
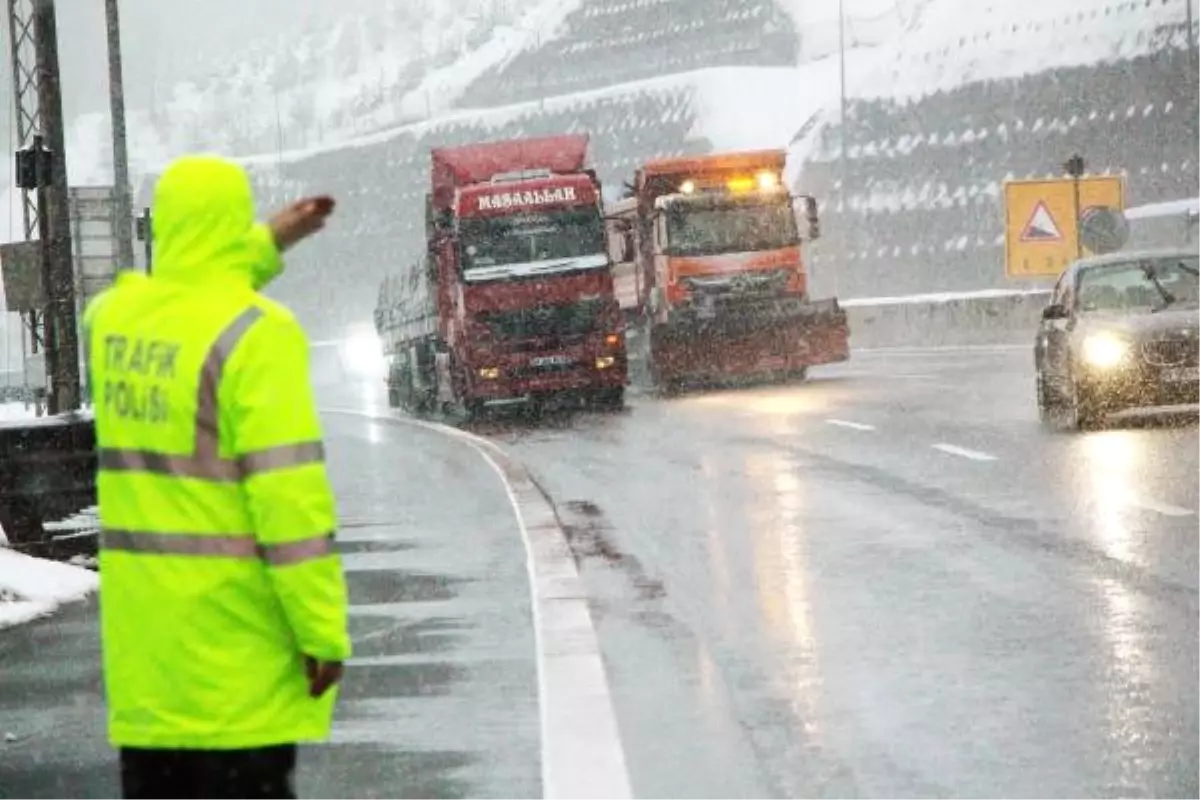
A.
x: 710, y: 271
x: 513, y: 301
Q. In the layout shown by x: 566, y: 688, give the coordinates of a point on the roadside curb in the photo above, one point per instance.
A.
x: 582, y: 754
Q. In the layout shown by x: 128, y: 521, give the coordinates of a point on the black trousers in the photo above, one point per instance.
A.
x: 263, y: 772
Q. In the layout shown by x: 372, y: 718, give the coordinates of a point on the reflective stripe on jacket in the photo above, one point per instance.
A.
x: 217, y: 568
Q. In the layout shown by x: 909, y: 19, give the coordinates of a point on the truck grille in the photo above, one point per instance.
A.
x: 570, y: 320
x: 1172, y: 351
x: 738, y: 285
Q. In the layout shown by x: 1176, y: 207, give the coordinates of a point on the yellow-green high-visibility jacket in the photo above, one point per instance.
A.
x: 217, y: 568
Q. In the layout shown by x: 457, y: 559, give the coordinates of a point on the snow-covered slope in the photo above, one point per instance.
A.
x: 934, y: 51
x: 950, y: 46
x: 944, y: 49
x: 344, y: 80
x: 440, y: 89
x: 866, y: 23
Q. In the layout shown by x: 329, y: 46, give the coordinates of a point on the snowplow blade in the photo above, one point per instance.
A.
x: 783, y: 340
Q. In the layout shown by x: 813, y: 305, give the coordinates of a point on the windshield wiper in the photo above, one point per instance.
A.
x: 1187, y: 269
x: 1152, y: 275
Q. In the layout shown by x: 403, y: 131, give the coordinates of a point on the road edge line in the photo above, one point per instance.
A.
x: 580, y: 757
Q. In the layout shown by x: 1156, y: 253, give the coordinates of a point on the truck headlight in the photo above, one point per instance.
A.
x: 489, y: 373
x: 604, y: 362
x: 1104, y: 350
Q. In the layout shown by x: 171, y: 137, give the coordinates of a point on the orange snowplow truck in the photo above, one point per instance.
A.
x: 709, y: 270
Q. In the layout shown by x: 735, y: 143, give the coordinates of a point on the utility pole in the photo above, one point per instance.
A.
x: 61, y: 338
x: 123, y: 213
x: 842, y: 168
x: 1191, y: 39
x: 28, y: 118
x: 1193, y: 84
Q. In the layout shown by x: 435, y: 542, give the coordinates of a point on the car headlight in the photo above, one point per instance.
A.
x: 1104, y: 350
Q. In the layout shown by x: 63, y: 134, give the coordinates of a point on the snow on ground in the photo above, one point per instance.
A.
x: 34, y: 587
x: 13, y: 411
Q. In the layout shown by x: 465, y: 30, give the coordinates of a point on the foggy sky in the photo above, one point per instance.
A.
x: 166, y: 41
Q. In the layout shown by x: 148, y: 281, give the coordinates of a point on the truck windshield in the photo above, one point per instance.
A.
x: 531, y: 238
x: 733, y: 228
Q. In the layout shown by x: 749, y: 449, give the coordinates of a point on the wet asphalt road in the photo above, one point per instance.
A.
x: 889, y: 581
x: 441, y: 697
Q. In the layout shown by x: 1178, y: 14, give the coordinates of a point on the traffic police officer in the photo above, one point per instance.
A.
x: 222, y: 602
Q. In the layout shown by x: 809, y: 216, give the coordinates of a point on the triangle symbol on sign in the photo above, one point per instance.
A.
x: 1041, y: 226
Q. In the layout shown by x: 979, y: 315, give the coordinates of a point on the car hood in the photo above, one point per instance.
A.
x: 1144, y: 325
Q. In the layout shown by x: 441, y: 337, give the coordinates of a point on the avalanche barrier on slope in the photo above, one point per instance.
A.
x: 986, y: 317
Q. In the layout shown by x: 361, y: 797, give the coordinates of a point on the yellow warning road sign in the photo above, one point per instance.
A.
x: 1041, y: 227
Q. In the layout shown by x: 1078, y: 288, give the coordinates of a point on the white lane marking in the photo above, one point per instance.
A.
x: 845, y: 423
x: 955, y: 450
x: 582, y: 753
x: 1166, y: 509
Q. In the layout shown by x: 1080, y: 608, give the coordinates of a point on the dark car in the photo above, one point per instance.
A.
x: 1120, y: 333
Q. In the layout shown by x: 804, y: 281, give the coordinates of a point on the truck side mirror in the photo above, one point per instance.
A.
x: 627, y: 245
x: 660, y: 232
x: 807, y: 217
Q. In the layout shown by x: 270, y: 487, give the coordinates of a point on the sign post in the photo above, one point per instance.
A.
x: 1044, y: 232
x: 1074, y: 167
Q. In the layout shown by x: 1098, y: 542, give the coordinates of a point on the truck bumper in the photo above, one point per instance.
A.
x: 577, y: 383
x: 699, y: 349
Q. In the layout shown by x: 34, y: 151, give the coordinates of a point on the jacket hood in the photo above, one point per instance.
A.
x: 204, y: 227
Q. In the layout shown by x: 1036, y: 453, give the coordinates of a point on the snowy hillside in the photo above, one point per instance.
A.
x: 1008, y: 38
x: 927, y: 86
x: 345, y: 80
x: 403, y: 62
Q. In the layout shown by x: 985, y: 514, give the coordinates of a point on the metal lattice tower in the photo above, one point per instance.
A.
x: 25, y: 93
x: 27, y: 113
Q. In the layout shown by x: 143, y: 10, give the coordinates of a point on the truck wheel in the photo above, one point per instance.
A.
x: 609, y: 399
x: 473, y: 409
x: 797, y: 375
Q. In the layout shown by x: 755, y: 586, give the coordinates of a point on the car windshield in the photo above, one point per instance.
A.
x: 528, y: 238
x: 740, y: 228
x: 1143, y: 284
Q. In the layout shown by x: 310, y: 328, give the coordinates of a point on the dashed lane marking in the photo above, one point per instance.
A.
x: 845, y: 423
x: 582, y: 753
x: 955, y: 450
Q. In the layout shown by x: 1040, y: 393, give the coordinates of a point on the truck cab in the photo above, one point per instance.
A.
x: 522, y: 302
x: 710, y: 249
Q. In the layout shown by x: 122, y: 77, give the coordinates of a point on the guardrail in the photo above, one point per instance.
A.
x: 992, y: 316
x: 47, y: 474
